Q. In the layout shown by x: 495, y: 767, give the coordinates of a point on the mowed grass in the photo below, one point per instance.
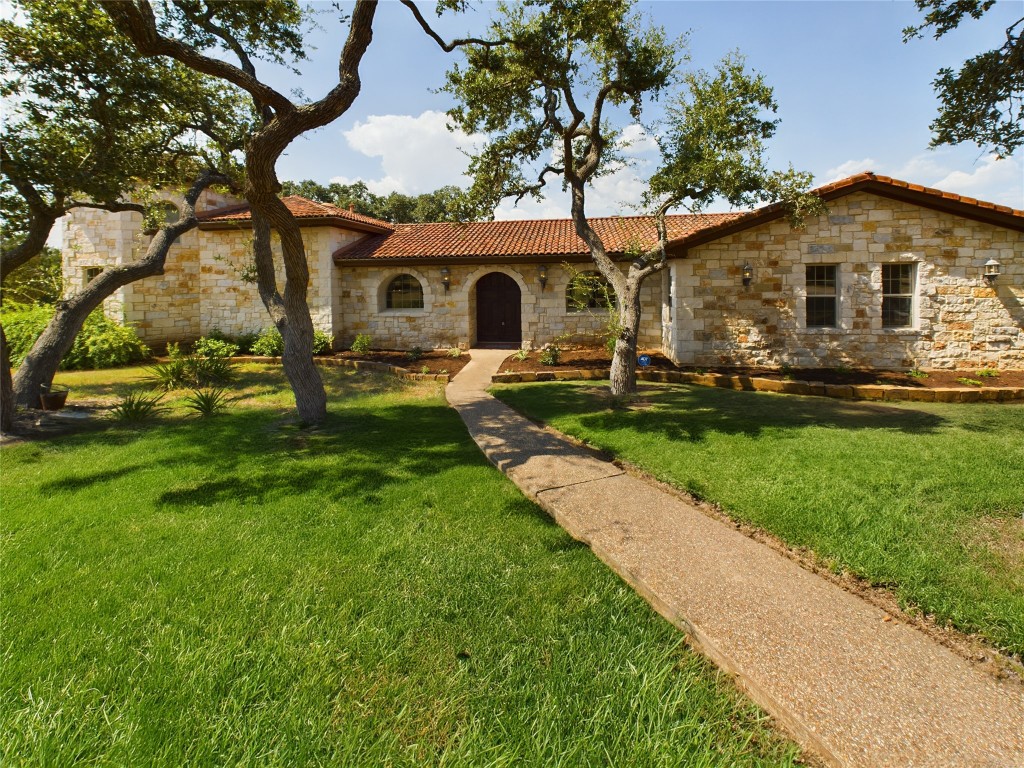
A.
x: 240, y: 591
x: 925, y: 499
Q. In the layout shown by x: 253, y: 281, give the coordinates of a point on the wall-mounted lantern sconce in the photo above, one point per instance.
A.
x: 446, y: 278
x: 992, y: 271
x: 748, y: 274
x: 543, y: 276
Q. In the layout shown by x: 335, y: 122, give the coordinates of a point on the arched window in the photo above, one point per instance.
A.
x: 588, y: 290
x: 404, y: 292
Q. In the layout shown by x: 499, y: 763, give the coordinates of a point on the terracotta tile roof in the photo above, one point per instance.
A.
x: 301, y: 208
x: 884, y: 186
x: 522, y: 238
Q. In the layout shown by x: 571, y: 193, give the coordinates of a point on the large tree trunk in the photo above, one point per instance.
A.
x: 43, y: 360
x: 623, y: 373
x: 40, y: 365
x: 6, y: 387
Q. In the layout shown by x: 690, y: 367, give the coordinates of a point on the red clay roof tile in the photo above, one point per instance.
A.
x: 300, y: 208
x: 543, y: 237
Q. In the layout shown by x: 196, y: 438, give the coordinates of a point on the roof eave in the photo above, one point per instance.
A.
x: 974, y: 211
x: 393, y: 261
x: 304, y: 221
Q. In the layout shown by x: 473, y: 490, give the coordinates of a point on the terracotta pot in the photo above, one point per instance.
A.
x: 54, y: 399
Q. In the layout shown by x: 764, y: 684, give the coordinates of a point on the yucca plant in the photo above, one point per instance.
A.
x: 136, y: 407
x: 191, y: 371
x: 207, y: 402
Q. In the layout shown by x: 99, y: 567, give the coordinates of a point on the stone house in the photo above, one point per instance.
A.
x: 893, y: 276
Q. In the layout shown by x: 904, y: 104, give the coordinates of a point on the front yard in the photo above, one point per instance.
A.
x: 925, y: 499
x: 239, y: 591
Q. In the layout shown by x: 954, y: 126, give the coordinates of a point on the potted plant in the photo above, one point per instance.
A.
x: 52, y: 397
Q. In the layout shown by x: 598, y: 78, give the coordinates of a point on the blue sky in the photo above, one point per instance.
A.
x: 852, y: 96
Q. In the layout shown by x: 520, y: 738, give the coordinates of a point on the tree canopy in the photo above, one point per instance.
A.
x: 982, y: 101
x: 561, y: 98
x: 449, y: 203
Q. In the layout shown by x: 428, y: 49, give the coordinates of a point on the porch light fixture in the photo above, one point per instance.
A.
x: 748, y: 274
x: 543, y: 276
x: 446, y: 278
x: 991, y: 273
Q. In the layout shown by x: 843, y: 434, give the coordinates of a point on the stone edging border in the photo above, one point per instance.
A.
x: 813, y: 388
x: 359, y: 365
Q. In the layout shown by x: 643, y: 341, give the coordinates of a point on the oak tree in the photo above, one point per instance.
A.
x: 90, y: 125
x: 982, y: 101
x: 556, y: 101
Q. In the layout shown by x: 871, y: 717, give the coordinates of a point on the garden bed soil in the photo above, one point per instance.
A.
x: 435, y: 361
x: 597, y: 358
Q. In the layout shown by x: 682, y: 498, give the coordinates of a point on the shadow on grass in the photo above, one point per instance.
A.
x: 690, y: 413
x: 259, y: 456
x: 72, y: 484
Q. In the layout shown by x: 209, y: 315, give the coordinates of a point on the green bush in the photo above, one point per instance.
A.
x: 551, y: 354
x: 323, y: 344
x: 361, y: 345
x: 102, y: 343
x: 210, y: 346
x: 269, y: 343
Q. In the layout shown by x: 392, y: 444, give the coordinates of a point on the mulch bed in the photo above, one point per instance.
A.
x: 435, y: 361
x: 597, y: 358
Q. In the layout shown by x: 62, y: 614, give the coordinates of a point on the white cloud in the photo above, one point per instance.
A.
x: 849, y: 168
x: 417, y: 153
x: 997, y: 181
x: 638, y: 140
x: 990, y: 179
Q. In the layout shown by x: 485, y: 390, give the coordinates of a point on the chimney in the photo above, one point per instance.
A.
x: 351, y: 207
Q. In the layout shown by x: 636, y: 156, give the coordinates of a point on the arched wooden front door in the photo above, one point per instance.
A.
x: 498, y: 304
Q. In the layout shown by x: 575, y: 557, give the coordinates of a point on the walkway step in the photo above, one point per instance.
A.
x: 849, y: 683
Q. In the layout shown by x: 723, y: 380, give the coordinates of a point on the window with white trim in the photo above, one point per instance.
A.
x: 897, y: 295
x: 822, y: 295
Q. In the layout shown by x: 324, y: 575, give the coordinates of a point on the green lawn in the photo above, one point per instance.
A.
x: 925, y: 499
x: 239, y: 591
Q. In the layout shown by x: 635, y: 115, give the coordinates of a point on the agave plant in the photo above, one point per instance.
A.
x: 207, y: 402
x: 136, y: 407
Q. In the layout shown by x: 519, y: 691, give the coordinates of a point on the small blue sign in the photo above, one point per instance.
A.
x: 644, y: 360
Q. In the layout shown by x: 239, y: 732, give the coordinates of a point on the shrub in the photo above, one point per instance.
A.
x: 550, y: 355
x: 135, y: 407
x: 969, y: 382
x: 988, y: 373
x: 102, y: 343
x: 207, y: 402
x: 917, y: 373
x: 414, y: 354
x: 455, y: 352
x: 323, y: 344
x: 211, y: 346
x: 361, y: 345
x: 245, y: 342
x: 269, y: 343
x: 522, y: 355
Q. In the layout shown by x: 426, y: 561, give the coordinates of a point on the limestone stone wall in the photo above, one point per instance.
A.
x: 229, y: 300
x: 958, y: 320
x: 163, y: 307
x: 449, y: 319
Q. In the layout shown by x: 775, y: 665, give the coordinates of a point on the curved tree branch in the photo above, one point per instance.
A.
x: 449, y: 47
x: 137, y: 21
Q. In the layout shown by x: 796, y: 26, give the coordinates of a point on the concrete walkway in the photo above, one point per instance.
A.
x: 851, y: 685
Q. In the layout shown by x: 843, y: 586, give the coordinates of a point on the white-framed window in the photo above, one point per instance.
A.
x: 898, y: 295
x: 822, y: 295
x: 404, y: 292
